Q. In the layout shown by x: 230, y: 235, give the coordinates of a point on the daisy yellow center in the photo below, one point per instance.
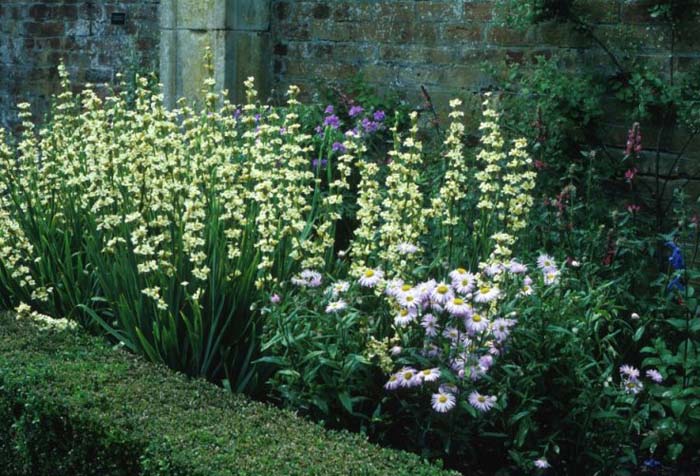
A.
x: 481, y: 398
x: 405, y: 287
x: 369, y: 273
x: 426, y: 372
x: 476, y: 318
x: 461, y: 271
x: 408, y: 375
x: 404, y: 313
x: 458, y: 302
x: 631, y: 385
x: 465, y: 282
x: 484, y: 289
x: 409, y: 298
x: 442, y: 399
x: 442, y: 289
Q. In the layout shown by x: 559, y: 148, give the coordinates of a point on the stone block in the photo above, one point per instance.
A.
x: 248, y: 55
x: 194, y: 14
x: 438, y: 11
x: 249, y: 15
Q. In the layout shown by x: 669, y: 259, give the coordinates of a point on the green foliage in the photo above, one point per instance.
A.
x: 71, y: 405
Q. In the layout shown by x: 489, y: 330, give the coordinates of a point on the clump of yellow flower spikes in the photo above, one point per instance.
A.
x: 403, y: 216
x: 168, y: 218
x: 444, y: 205
x: 505, y: 183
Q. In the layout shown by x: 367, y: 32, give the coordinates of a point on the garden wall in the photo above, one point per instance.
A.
x: 96, y: 39
x: 396, y: 45
x: 401, y: 45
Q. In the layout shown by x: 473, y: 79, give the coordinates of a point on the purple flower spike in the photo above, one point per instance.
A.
x: 369, y: 126
x: 338, y: 147
x: 355, y: 110
x: 379, y: 116
x: 332, y: 121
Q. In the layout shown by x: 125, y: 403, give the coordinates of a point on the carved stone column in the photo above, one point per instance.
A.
x: 236, y: 31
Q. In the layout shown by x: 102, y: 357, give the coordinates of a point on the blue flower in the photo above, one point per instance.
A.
x: 676, y: 284
x: 379, y: 116
x: 338, y: 147
x: 676, y: 258
x: 652, y: 463
x: 329, y: 109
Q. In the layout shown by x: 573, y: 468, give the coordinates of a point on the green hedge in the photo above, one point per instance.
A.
x: 69, y: 404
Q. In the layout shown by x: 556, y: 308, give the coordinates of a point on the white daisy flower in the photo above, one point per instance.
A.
x: 404, y: 317
x: 451, y: 333
x: 441, y: 294
x: 429, y: 375
x: 545, y: 261
x: 486, y: 293
x: 516, y: 267
x: 340, y: 287
x: 336, y: 306
x: 429, y: 323
x: 371, y: 277
x: 632, y: 386
x: 458, y: 274
x: 542, y: 463
x: 406, y: 248
x: 483, y: 403
x: 551, y: 276
x: 409, y: 299
x: 448, y: 388
x: 443, y: 402
x: 393, y: 382
x: 493, y: 269
x: 308, y: 279
x: 458, y: 307
x: 464, y: 284
x: 425, y: 289
x: 501, y: 328
x: 393, y: 287
x: 476, y: 323
x: 408, y: 377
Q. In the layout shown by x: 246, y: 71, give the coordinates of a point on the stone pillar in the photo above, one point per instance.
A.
x: 236, y: 31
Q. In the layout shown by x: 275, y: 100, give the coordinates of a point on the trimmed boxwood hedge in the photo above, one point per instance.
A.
x: 70, y: 404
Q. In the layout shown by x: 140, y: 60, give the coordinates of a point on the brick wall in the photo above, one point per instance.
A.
x: 397, y: 45
x: 443, y: 44
x: 35, y: 36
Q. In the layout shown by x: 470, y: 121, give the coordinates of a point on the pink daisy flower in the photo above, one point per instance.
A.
x: 629, y: 371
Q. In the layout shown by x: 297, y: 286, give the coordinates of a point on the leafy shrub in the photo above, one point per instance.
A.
x: 71, y: 405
